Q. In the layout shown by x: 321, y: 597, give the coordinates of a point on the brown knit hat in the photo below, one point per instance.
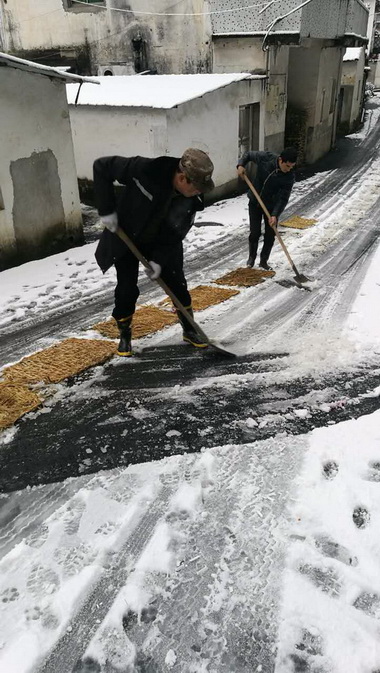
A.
x: 198, y: 168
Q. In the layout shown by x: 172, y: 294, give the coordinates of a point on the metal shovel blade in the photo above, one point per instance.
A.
x: 300, y: 278
x: 217, y: 350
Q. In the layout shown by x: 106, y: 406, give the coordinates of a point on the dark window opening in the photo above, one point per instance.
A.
x: 140, y: 59
x: 78, y: 6
x: 249, y: 128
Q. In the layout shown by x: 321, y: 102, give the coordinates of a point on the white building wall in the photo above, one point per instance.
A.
x: 245, y: 54
x: 210, y: 122
x: 353, y: 77
x: 106, y: 131
x: 35, y: 120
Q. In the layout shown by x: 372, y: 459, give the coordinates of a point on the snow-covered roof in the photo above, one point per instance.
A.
x: 153, y: 91
x: 352, y: 54
x: 39, y: 69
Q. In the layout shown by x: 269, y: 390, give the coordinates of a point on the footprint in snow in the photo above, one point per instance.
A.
x: 38, y: 537
x: 303, y: 661
x: 42, y: 581
x: 129, y: 620
x: 361, y: 517
x: 368, y: 603
x: 9, y: 595
x: 373, y: 472
x: 33, y: 614
x: 332, y: 549
x: 326, y: 580
x: 330, y: 469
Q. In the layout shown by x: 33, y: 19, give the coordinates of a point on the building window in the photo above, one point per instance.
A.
x: 87, y: 6
x: 249, y: 128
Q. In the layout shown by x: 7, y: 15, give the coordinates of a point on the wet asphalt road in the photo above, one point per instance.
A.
x: 125, y: 414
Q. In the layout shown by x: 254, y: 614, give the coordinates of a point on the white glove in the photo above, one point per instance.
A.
x: 154, y: 272
x: 110, y: 222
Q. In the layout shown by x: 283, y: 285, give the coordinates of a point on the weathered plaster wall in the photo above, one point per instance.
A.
x: 41, y: 209
x: 91, y: 37
x: 314, y: 74
x: 276, y: 100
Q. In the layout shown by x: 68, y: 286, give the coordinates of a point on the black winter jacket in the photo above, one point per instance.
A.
x: 148, y: 209
x: 272, y: 184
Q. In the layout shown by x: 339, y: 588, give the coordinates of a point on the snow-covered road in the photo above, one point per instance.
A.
x: 244, y: 537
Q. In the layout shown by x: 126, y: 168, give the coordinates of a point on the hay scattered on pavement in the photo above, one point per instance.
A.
x: 15, y: 401
x: 245, y: 277
x: 204, y: 296
x: 296, y: 222
x: 61, y: 361
x: 147, y: 319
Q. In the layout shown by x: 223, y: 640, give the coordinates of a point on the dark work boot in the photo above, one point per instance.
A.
x: 250, y: 261
x: 125, y: 326
x: 189, y: 334
x: 264, y: 265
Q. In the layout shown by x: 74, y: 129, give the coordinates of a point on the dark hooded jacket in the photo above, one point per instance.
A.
x: 271, y: 183
x: 149, y: 210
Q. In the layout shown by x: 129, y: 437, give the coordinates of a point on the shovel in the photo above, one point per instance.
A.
x: 121, y: 234
x: 299, y: 277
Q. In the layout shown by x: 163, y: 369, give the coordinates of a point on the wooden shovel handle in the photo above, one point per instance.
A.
x: 121, y: 234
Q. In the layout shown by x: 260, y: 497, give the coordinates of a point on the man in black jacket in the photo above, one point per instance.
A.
x: 274, y: 181
x: 156, y: 209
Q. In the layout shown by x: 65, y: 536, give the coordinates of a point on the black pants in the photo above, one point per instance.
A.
x: 127, y: 291
x: 255, y: 217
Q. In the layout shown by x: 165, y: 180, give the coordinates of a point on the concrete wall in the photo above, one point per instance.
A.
x: 40, y: 209
x: 320, y: 19
x: 104, y: 131
x: 234, y: 54
x: 210, y: 123
x: 276, y: 100
x: 90, y: 37
x: 352, y: 81
x: 374, y: 74
x: 314, y: 76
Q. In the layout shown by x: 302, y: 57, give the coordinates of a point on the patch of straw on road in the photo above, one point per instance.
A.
x: 147, y: 320
x: 245, y: 277
x: 297, y: 222
x: 15, y: 401
x: 61, y: 361
x: 204, y: 296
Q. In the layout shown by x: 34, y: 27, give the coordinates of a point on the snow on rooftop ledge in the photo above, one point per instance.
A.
x: 352, y: 54
x: 155, y: 91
